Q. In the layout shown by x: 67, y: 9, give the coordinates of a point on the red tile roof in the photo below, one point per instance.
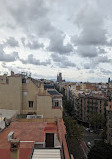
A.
x: 24, y: 153
x: 31, y: 131
x: 4, y: 154
x: 25, y: 131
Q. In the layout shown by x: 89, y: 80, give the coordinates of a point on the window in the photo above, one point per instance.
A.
x: 30, y: 104
x: 56, y: 104
x: 25, y: 93
x: 23, y: 80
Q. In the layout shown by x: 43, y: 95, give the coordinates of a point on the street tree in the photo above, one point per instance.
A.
x: 97, y: 120
x: 100, y: 150
x: 68, y: 107
x: 74, y: 131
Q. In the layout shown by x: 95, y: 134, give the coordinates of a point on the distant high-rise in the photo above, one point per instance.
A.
x: 59, y: 77
x: 109, y: 80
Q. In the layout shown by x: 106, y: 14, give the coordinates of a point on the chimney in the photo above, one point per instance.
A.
x: 10, y: 136
x: 14, y: 146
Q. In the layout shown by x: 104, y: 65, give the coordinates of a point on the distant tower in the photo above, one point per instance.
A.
x: 109, y: 80
x: 59, y: 77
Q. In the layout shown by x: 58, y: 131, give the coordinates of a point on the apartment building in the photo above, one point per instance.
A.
x: 87, y: 98
x: 28, y: 96
x: 87, y: 104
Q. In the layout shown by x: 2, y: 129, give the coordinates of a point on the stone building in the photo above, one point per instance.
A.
x: 85, y: 105
x: 28, y: 96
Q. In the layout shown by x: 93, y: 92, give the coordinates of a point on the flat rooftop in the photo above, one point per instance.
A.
x: 28, y: 133
x: 7, y: 113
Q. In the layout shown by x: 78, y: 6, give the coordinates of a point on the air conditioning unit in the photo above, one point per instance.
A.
x: 39, y: 145
x: 34, y: 116
x: 10, y: 136
x: 39, y: 116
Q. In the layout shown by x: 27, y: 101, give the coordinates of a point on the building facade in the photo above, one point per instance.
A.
x: 28, y: 96
x: 86, y: 105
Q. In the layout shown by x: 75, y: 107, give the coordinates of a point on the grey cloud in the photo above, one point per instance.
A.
x: 103, y: 59
x: 35, y: 20
x: 101, y: 50
x: 92, y: 35
x: 11, y: 41
x: 90, y: 51
x: 62, y: 61
x: 34, y: 61
x: 105, y: 72
x: 8, y: 57
x: 110, y: 43
x: 91, y: 71
x: 4, y: 65
x: 33, y: 43
x: 87, y: 66
x: 92, y: 64
x: 87, y: 51
x: 74, y: 39
x: 105, y: 7
x: 31, y: 16
x: 13, y: 67
x: 57, y: 44
x: 40, y: 76
x: 23, y: 41
x: 91, y: 21
x: 27, y: 12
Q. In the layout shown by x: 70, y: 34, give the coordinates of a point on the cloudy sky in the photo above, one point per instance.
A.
x: 44, y: 37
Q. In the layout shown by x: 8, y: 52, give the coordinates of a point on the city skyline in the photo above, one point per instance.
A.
x: 46, y: 37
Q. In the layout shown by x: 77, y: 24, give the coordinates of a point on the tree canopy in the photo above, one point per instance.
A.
x: 74, y: 131
x: 100, y: 150
x: 97, y: 120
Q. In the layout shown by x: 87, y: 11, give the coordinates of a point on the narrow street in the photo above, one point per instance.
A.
x: 90, y: 137
x: 88, y: 141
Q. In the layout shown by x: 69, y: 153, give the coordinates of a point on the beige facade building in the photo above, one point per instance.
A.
x: 85, y: 105
x: 28, y: 96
